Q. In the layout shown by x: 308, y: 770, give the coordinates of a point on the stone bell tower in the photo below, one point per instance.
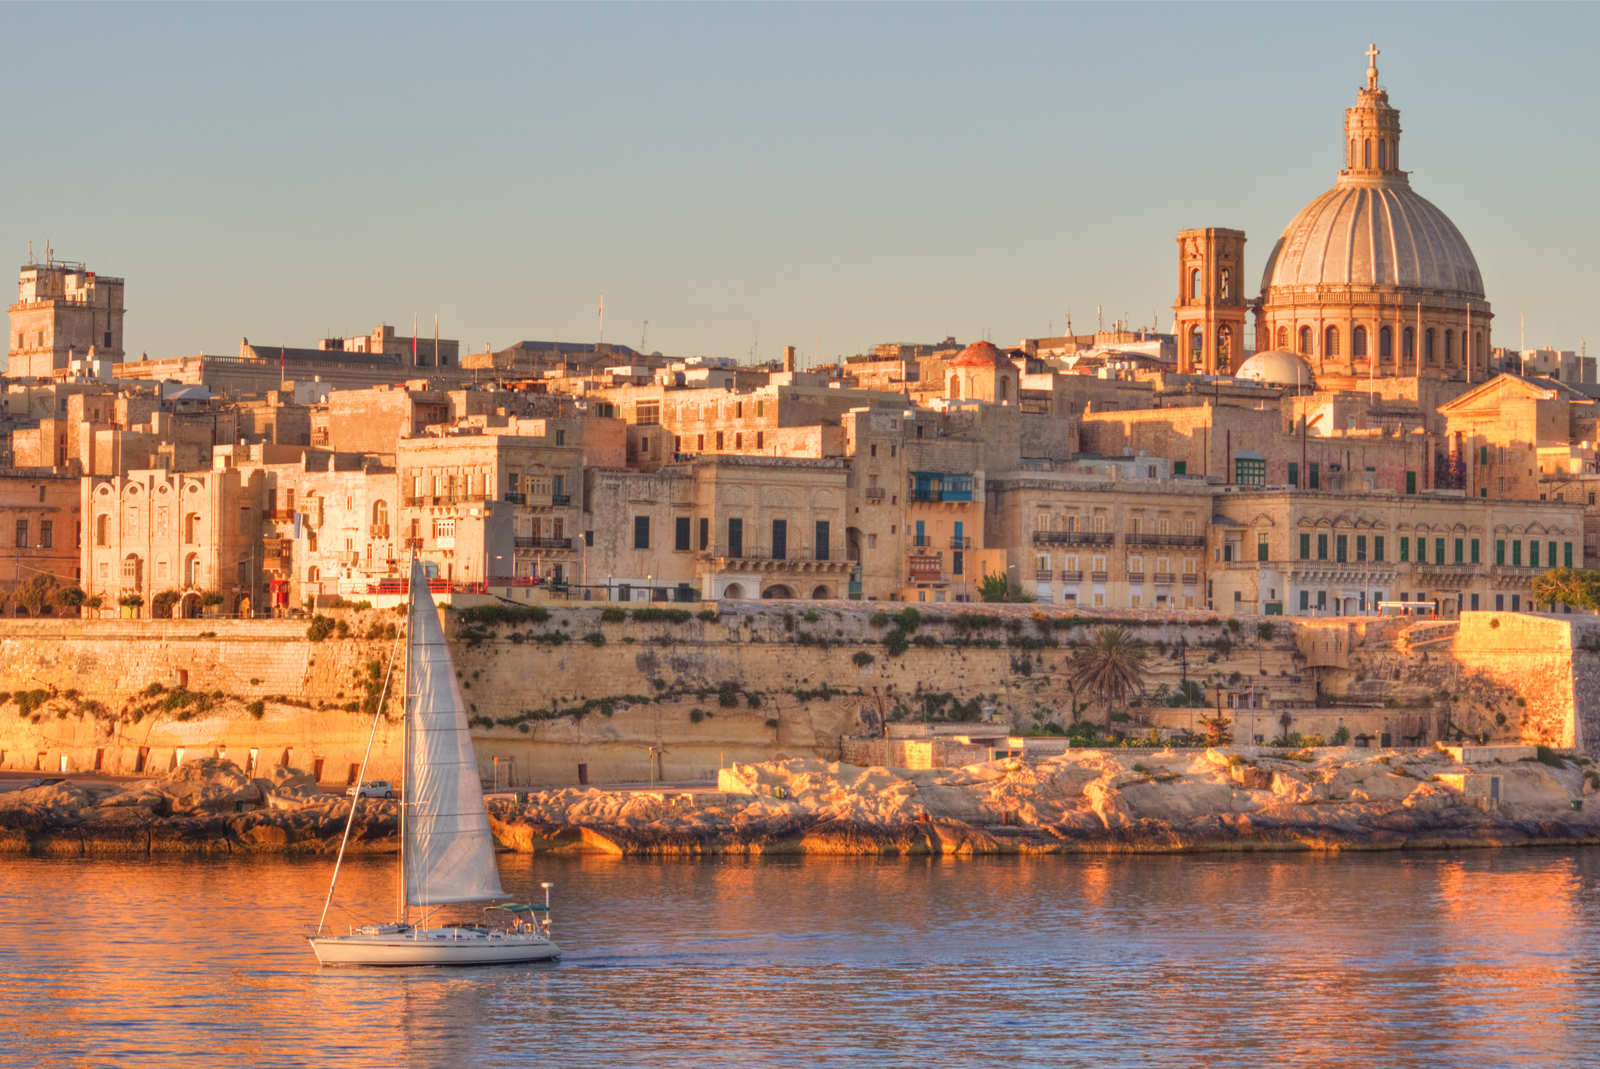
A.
x: 1211, y: 306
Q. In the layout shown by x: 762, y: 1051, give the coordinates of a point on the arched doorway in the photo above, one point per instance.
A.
x: 733, y: 590
x: 821, y: 593
x: 777, y: 591
x: 190, y: 607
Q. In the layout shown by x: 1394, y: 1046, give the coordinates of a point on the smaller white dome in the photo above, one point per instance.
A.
x: 1275, y: 367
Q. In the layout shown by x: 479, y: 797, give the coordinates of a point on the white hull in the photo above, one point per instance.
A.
x: 433, y: 946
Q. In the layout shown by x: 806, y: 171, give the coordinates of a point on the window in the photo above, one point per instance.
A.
x: 22, y: 534
x: 588, y: 538
x: 1499, y: 603
x: 1474, y: 603
x: 1475, y: 551
x: 1316, y: 476
x: 761, y: 439
x: 872, y: 541
x: 1411, y: 482
x: 1330, y: 341
x: 1533, y: 553
x: 681, y: 534
x: 1322, y: 547
x: 1361, y: 547
x: 1341, y: 546
x: 1261, y: 546
x: 735, y: 538
x: 1408, y: 344
x: 705, y: 534
x: 1516, y: 553
x: 873, y: 450
x: 1502, y: 484
x: 1383, y: 153
x: 641, y: 532
x: 1405, y: 549
x: 1283, y: 337
x: 1180, y: 467
x: 1427, y: 345
x: 1385, y: 343
x: 1422, y: 551
x: 700, y: 443
x: 738, y: 441
x: 1358, y: 342
x: 1249, y: 471
x: 561, y: 437
x: 1294, y: 473
x: 822, y: 546
x: 1566, y: 554
x: 1438, y: 551
x: 1305, y: 341
x: 1305, y: 600
x: 1322, y: 599
x: 47, y: 536
x: 1377, y: 547
x: 1194, y: 284
x: 780, y: 539
x: 719, y: 440
x: 1461, y: 551
x: 647, y: 412
x: 1500, y: 551
x: 1483, y: 455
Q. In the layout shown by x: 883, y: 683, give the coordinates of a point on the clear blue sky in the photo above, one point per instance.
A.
x: 846, y: 173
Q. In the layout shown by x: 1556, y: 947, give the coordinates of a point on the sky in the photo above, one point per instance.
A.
x: 738, y: 177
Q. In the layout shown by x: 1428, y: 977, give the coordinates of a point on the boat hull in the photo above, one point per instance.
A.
x: 433, y: 947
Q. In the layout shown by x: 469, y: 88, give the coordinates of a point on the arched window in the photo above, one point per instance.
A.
x: 1449, y: 346
x: 955, y: 386
x: 102, y: 530
x: 1366, y: 153
x: 380, y: 513
x: 1350, y: 160
x: 1383, y: 154
x: 191, y: 570
x: 1427, y: 345
x: 1227, y: 283
x: 1330, y: 341
x: 1194, y: 284
x: 191, y: 529
x: 1197, y: 345
x: 1358, y: 342
x: 1283, y: 337
x: 1224, y: 346
x: 1477, y: 347
x: 1005, y: 388
x: 1408, y: 345
x: 1385, y: 344
x: 313, y: 574
x: 1305, y: 341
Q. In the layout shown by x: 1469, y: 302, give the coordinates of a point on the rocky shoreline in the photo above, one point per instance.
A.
x: 1084, y: 802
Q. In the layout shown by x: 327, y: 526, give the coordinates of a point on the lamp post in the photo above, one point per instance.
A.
x: 650, y: 587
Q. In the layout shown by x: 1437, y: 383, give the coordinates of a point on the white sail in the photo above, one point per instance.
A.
x: 449, y: 848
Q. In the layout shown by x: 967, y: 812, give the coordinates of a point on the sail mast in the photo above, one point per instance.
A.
x: 408, y: 781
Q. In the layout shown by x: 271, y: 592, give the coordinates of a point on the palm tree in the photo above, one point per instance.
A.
x: 1110, y: 666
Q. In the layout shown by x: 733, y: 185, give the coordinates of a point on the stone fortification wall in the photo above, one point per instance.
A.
x: 678, y: 699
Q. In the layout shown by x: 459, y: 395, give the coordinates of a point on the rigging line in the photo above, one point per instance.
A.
x: 362, y: 776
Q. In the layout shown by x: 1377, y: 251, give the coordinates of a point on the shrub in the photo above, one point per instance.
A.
x: 708, y: 615
x: 863, y: 658
x: 896, y: 642
x: 907, y: 619
x: 209, y: 598
x: 697, y: 715
x: 496, y: 615
x: 595, y: 638
x: 1233, y: 624
x: 772, y: 722
x: 1341, y: 737
x: 1264, y: 632
x: 753, y: 700
x: 257, y: 708
x: 652, y: 614
x: 879, y: 619
x: 321, y: 627
x: 1546, y: 756
x: 130, y: 601
x: 811, y: 616
x: 728, y: 698
x: 1494, y: 623
x: 29, y: 700
x: 613, y: 615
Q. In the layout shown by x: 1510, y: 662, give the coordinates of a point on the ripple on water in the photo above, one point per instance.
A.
x: 1472, y: 959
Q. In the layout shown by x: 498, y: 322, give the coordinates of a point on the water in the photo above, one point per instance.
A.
x: 1462, y: 959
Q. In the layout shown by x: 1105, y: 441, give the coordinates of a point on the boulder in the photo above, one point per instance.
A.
x: 210, y: 783
x: 55, y: 799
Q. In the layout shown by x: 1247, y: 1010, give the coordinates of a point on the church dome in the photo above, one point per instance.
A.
x: 1373, y: 230
x: 1275, y: 368
x: 980, y: 354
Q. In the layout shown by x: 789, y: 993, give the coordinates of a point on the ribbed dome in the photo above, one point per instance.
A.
x: 1373, y: 231
x: 980, y: 354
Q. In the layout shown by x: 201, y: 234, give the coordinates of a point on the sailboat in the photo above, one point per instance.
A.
x: 446, y: 848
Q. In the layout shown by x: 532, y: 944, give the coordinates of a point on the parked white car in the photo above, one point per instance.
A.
x: 375, y: 788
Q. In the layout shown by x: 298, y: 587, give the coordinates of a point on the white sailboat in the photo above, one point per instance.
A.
x: 446, y: 848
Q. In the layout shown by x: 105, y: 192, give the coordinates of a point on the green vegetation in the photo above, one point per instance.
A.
x: 39, y: 592
x: 1574, y: 587
x: 498, y: 615
x: 613, y: 615
x: 1546, y: 756
x: 896, y: 642
x: 879, y: 619
x: 862, y: 658
x: 1110, y: 666
x: 651, y: 614
x: 708, y: 615
x: 995, y: 588
x: 321, y: 627
x: 595, y: 638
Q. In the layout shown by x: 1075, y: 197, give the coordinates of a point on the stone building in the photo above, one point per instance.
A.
x: 1210, y: 313
x: 63, y: 311
x: 492, y: 498
x: 153, y: 531
x: 40, y: 525
x: 1343, y: 552
x: 1093, y: 537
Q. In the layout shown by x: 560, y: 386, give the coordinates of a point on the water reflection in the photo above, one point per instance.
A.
x: 1478, y: 958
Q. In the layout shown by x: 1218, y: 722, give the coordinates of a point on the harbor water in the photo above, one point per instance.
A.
x: 1483, y: 958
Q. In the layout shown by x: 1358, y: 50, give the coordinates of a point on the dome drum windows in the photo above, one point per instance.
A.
x: 1358, y: 342
x: 1330, y: 341
x: 1385, y: 343
x: 1305, y: 341
x: 1408, y: 345
x: 1427, y: 345
x: 1283, y: 338
x: 1194, y: 284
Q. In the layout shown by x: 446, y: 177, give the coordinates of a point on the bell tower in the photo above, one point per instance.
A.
x: 1211, y: 306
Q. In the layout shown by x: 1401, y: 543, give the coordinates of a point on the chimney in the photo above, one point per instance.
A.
x: 788, y: 358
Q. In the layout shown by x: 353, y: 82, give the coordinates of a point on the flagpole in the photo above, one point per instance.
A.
x: 413, y: 338
x: 436, y: 339
x: 602, y: 314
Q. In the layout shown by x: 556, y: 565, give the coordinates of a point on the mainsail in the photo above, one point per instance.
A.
x: 449, y: 848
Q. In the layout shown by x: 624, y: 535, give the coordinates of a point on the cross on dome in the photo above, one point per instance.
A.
x: 1372, y: 66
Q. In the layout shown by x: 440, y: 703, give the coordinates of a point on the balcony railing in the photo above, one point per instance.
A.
x: 1164, y: 577
x: 380, y: 530
x: 280, y: 514
x: 1190, y: 580
x: 1147, y: 539
x: 560, y: 499
x: 1134, y: 577
x: 960, y: 543
x: 1098, y: 577
x: 929, y: 494
x: 543, y: 543
x: 1042, y: 575
x: 413, y: 543
x: 922, y: 541
x: 876, y: 493
x: 1071, y: 576
x: 1074, y: 538
x: 514, y: 498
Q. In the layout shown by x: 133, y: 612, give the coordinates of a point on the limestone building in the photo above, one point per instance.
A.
x: 1211, y: 307
x: 63, y: 312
